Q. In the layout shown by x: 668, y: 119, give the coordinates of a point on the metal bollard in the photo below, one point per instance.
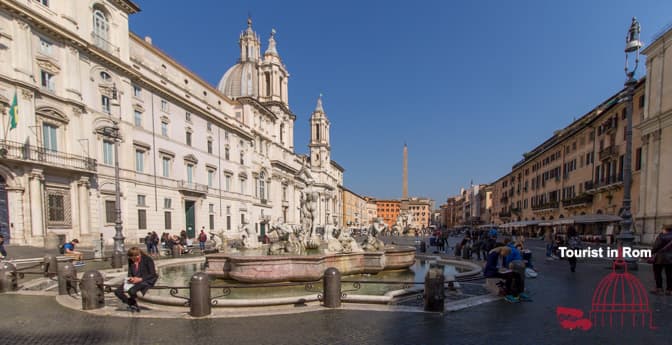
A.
x: 332, y: 288
x: 434, y: 294
x: 8, y: 277
x: 50, y: 265
x: 66, y: 273
x: 176, y: 251
x: 117, y: 259
x: 91, y: 286
x: 199, y: 295
x: 423, y: 247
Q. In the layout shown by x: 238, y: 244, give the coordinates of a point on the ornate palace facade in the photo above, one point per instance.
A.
x: 190, y: 155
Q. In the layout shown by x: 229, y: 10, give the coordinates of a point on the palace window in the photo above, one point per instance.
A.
x: 58, y: 206
x: 165, y: 165
x: 47, y: 80
x: 167, y: 220
x: 110, y: 213
x: 49, y: 137
x: 108, y: 152
x: 101, y: 29
x: 190, y: 173
x: 142, y: 219
x: 211, y: 177
x: 137, y: 118
x: 137, y: 91
x: 105, y: 104
x: 139, y: 160
x: 164, y: 128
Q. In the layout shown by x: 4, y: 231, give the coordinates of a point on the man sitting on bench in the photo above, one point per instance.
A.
x: 141, y: 276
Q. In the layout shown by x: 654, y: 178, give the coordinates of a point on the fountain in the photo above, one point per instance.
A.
x: 301, y: 253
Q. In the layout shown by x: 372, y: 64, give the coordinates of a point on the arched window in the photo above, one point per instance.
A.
x: 101, y: 29
x: 262, y: 186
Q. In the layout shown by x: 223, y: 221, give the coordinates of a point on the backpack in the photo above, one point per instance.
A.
x: 61, y: 248
x: 202, y: 237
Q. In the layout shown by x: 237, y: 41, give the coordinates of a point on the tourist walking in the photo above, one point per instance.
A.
x: 202, y: 238
x: 662, y: 260
x: 548, y: 239
x: 141, y: 277
x: 573, y: 242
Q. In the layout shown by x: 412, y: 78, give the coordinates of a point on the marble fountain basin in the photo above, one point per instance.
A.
x: 299, y: 268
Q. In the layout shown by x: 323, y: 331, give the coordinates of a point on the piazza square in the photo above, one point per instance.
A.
x: 335, y: 173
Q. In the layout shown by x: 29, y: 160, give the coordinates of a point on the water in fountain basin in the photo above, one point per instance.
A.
x: 180, y: 275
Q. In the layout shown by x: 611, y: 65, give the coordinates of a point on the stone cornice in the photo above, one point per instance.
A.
x: 127, y: 6
x: 280, y: 105
x: 655, y: 123
x: 259, y: 106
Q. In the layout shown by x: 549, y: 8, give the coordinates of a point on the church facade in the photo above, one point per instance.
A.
x: 190, y: 155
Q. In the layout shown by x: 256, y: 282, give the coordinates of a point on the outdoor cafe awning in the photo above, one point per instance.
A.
x: 520, y: 224
x: 583, y: 219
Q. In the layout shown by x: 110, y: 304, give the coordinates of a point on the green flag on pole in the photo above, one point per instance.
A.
x: 13, y: 113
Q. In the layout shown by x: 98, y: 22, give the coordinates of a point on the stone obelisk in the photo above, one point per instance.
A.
x: 404, y: 183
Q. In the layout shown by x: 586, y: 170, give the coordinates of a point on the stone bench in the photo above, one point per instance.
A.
x: 491, y: 285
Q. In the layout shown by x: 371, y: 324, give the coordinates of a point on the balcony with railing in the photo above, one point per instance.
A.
x: 505, y: 214
x: 191, y: 187
x: 609, y: 181
x: 11, y: 150
x: 101, y: 42
x: 551, y: 205
x: 577, y: 201
x: 610, y: 152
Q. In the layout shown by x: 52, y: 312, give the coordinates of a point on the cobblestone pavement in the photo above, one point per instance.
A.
x: 37, y: 320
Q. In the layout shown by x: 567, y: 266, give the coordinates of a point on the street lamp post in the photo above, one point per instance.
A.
x: 117, y: 256
x: 632, y: 47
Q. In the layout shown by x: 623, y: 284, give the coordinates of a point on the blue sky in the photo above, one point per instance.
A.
x: 468, y: 85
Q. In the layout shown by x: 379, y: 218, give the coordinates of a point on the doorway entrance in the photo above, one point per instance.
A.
x: 4, y: 211
x: 190, y: 217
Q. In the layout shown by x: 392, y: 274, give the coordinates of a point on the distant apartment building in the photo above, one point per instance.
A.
x: 388, y: 210
x: 577, y: 171
x: 453, y: 212
x: 354, y: 210
x: 420, y: 209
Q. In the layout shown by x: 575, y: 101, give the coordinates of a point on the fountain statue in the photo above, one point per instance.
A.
x: 248, y: 236
x: 403, y: 224
x: 286, y: 257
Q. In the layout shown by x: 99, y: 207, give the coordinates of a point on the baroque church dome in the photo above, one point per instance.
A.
x: 241, y: 80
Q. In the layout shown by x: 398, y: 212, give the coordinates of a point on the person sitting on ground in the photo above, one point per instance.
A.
x: 69, y: 250
x: 3, y: 252
x: 514, y: 286
x: 141, y: 276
